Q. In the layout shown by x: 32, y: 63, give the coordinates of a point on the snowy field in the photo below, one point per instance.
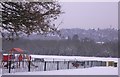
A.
x: 85, y: 71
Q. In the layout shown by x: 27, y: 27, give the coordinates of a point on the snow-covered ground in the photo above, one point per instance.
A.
x: 85, y: 71
x: 72, y: 71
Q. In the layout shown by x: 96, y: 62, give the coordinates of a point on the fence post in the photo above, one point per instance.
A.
x: 100, y: 63
x: 28, y: 66
x: 19, y: 64
x: 84, y: 64
x: 23, y: 63
x: 9, y: 64
x: 68, y: 65
x: 64, y: 61
x: 53, y: 60
x: 45, y: 66
x: 91, y: 63
x: 57, y: 65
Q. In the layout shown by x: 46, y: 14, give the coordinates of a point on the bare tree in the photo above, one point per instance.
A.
x: 28, y: 17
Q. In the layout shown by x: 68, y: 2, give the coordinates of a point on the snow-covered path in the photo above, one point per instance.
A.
x: 86, y: 71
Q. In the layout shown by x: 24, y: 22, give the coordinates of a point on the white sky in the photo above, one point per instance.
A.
x: 89, y: 0
x: 89, y: 14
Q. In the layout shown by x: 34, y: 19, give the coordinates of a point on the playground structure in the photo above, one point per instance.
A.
x: 15, y: 58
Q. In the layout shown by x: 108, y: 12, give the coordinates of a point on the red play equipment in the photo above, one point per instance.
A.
x: 16, y: 55
x: 7, y: 57
x: 16, y: 50
x: 11, y: 54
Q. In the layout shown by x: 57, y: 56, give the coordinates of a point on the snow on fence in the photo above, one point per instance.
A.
x: 31, y: 66
x: 47, y: 63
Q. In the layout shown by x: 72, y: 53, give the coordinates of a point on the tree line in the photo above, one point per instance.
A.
x: 71, y: 47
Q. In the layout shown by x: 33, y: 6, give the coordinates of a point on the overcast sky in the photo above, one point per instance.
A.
x: 89, y: 15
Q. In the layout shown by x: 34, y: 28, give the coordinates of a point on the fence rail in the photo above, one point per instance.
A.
x: 30, y: 66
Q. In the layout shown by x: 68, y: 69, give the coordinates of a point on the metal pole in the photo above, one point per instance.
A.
x: 57, y: 65
x: 9, y: 64
x: 23, y: 63
x: 45, y: 66
x: 84, y: 64
x: 91, y: 63
x: 68, y: 65
x: 28, y: 66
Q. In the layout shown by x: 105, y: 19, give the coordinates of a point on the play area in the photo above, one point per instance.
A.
x: 16, y: 58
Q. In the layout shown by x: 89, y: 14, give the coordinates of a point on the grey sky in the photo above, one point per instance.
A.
x: 89, y: 15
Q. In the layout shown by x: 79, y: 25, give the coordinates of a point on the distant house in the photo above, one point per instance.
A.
x: 100, y: 42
